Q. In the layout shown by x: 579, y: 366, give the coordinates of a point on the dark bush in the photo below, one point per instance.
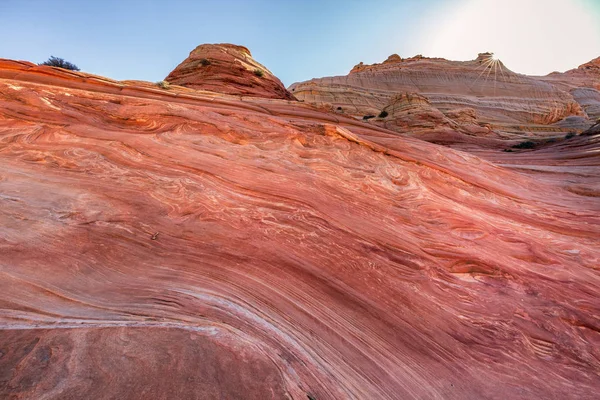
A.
x: 259, y: 73
x: 570, y: 135
x: 524, y: 145
x: 163, y: 85
x: 204, y: 62
x: 59, y: 62
x: 339, y: 108
x: 383, y: 114
x: 508, y: 150
x: 368, y: 117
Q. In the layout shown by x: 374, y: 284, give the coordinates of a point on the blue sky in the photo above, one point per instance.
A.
x: 297, y: 40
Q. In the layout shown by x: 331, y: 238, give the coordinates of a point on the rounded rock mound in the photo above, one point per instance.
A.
x: 227, y: 69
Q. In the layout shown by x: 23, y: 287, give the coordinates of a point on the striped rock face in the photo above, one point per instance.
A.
x: 174, y: 243
x: 583, y: 83
x: 229, y: 69
x: 504, y: 105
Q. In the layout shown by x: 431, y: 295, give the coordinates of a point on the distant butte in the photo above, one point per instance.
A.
x: 430, y: 98
x: 227, y: 69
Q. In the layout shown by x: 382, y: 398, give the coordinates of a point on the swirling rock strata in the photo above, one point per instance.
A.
x: 229, y: 69
x: 185, y: 244
x: 583, y: 83
x: 503, y: 101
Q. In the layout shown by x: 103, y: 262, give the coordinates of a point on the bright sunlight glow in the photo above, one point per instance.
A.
x: 533, y: 37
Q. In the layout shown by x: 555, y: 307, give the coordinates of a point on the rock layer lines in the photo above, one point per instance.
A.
x: 177, y: 243
x: 230, y: 69
x: 500, y: 103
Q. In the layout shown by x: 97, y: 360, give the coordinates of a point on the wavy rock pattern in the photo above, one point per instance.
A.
x: 583, y: 83
x: 230, y: 69
x: 174, y: 243
x: 503, y: 101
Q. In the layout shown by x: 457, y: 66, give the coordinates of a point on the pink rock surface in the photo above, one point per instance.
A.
x: 185, y: 244
x: 104, y: 363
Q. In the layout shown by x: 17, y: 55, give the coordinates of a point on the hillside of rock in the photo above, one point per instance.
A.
x: 584, y: 85
x: 497, y: 102
x: 228, y: 69
x: 181, y: 243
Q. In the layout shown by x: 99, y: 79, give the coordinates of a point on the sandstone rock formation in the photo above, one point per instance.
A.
x: 180, y: 243
x: 503, y: 102
x: 412, y: 113
x: 584, y: 85
x: 586, y: 75
x: 229, y: 69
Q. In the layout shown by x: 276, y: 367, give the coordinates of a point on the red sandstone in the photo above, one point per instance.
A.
x: 297, y: 252
x: 230, y: 69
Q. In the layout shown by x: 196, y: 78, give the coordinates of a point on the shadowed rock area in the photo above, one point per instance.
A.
x: 182, y: 243
x: 135, y: 362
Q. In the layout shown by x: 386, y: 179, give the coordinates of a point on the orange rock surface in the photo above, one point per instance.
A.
x: 178, y: 243
x: 230, y: 69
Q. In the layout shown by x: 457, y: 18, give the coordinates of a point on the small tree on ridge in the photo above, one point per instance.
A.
x: 59, y: 62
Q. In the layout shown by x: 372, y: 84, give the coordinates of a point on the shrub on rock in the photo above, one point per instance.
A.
x: 60, y: 63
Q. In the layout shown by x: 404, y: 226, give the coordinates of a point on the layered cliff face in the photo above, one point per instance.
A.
x: 502, y: 101
x: 586, y: 75
x: 413, y: 114
x: 229, y: 69
x: 179, y: 243
x: 583, y: 83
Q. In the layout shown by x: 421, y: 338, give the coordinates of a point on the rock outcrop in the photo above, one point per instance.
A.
x: 228, y: 69
x: 413, y: 114
x: 584, y: 85
x: 503, y: 101
x: 586, y: 75
x: 176, y: 243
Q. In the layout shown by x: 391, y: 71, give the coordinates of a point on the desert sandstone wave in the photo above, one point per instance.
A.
x: 183, y: 243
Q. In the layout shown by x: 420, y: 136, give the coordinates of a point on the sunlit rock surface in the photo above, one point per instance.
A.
x: 230, y: 69
x: 504, y: 104
x: 185, y: 244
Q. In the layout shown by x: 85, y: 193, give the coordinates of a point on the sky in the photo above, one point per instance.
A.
x: 299, y: 39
